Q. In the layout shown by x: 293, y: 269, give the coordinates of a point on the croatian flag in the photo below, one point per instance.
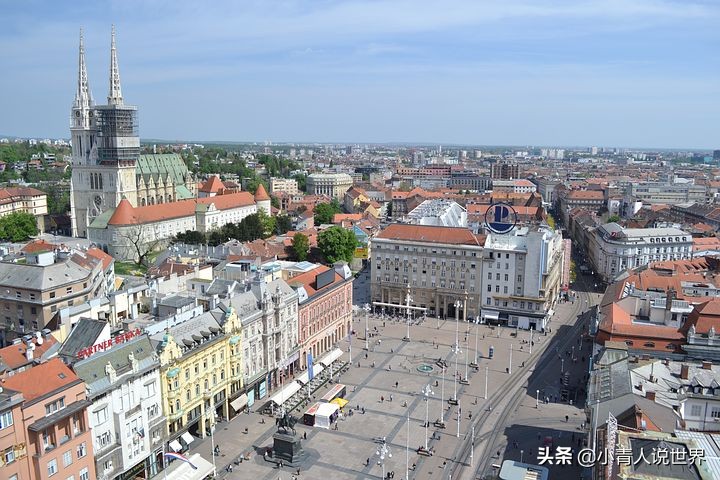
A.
x: 182, y: 458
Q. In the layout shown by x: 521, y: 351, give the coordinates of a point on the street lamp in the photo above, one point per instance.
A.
x: 477, y: 327
x: 407, y: 311
x: 442, y: 398
x: 427, y: 391
x: 366, y: 307
x: 457, y: 347
x: 510, y: 362
x: 210, y: 414
x: 531, y: 339
x: 562, y: 365
x: 486, y: 381
x: 537, y: 398
x: 383, y: 451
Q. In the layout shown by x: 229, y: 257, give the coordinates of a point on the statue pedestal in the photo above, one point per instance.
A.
x: 288, y: 448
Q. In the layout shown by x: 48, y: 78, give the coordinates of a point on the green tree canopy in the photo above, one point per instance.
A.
x: 283, y: 224
x: 18, y: 226
x: 300, y: 247
x: 337, y: 244
x: 191, y: 237
x: 613, y: 218
x: 324, y: 212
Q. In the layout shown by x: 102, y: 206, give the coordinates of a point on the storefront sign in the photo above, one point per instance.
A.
x: 107, y: 344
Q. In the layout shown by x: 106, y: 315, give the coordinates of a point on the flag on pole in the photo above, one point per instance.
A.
x: 182, y: 458
x: 310, y: 366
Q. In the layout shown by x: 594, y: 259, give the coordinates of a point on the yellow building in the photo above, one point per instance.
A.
x: 201, y: 372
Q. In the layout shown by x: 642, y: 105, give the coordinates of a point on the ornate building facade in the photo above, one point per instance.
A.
x: 106, y: 162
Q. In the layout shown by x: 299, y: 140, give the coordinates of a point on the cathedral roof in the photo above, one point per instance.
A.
x: 213, y: 185
x: 261, y: 194
x: 125, y: 214
x: 165, y: 165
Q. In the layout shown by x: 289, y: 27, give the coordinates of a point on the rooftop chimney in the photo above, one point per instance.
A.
x: 685, y: 372
x: 669, y: 298
x: 650, y: 395
x: 29, y: 351
x: 707, y: 365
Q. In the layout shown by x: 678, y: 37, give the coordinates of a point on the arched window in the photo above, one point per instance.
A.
x: 142, y: 201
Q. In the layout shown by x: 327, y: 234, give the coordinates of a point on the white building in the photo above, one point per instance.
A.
x: 514, y: 186
x: 288, y: 185
x: 332, y: 184
x: 614, y: 249
x: 121, y: 230
x: 438, y: 212
x: 123, y: 384
x: 521, y: 277
x: 269, y: 315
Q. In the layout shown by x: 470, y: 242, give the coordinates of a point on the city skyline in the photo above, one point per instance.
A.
x: 557, y: 73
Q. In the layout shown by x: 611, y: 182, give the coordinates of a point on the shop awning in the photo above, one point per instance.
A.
x: 340, y: 402
x: 316, y: 371
x: 175, y: 445
x: 187, y: 438
x: 240, y: 402
x: 491, y: 314
x: 179, y: 470
x: 331, y: 357
x: 284, y: 395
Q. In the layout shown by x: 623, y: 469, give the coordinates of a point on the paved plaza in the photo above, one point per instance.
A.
x: 509, y: 414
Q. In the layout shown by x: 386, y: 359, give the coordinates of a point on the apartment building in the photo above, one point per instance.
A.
x: 288, y: 185
x: 32, y: 292
x: 521, y: 277
x: 613, y: 249
x: 53, y: 419
x: 439, y: 265
x: 126, y: 418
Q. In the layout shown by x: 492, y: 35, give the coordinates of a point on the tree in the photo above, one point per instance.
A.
x: 275, y: 202
x: 190, y: 237
x: 337, y: 244
x: 283, y: 224
x: 18, y: 226
x: 300, y: 247
x: 550, y: 221
x: 324, y: 212
x: 141, y: 240
x: 301, y: 181
x: 613, y: 219
x: 573, y: 271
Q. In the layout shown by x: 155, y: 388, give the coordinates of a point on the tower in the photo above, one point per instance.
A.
x: 262, y: 199
x: 106, y: 147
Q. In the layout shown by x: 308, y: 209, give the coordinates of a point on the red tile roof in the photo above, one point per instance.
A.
x: 38, y: 245
x: 586, y: 195
x: 126, y: 214
x: 100, y: 255
x: 213, y: 185
x: 307, y: 279
x: 14, y: 355
x: 42, y: 379
x: 423, y: 233
x: 261, y: 194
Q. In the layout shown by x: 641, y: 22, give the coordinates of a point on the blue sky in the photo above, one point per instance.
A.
x: 640, y: 73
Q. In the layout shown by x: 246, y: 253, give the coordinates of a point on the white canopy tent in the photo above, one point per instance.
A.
x: 179, y: 470
x: 325, y: 414
x: 316, y: 371
x: 331, y: 357
x: 283, y: 395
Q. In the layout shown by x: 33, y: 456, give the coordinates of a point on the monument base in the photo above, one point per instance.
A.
x: 287, y: 448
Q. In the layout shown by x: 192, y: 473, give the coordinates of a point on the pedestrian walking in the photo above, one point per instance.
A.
x: 367, y: 462
x: 567, y: 418
x: 304, y: 435
x: 382, y: 398
x: 396, y: 384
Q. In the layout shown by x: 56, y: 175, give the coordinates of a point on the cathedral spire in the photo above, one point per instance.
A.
x: 115, y: 94
x: 83, y: 96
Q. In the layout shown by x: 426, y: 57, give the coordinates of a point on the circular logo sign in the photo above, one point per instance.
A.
x: 500, y: 218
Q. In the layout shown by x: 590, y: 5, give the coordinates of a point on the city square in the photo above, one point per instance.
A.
x: 381, y: 410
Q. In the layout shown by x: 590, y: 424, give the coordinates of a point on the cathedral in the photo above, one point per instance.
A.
x: 107, y: 166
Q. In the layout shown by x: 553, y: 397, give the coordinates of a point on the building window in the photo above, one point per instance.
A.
x: 67, y: 458
x: 84, y: 474
x: 99, y: 416
x: 696, y: 410
x: 9, y: 455
x: 6, y: 419
x: 53, y: 407
x: 715, y: 412
x: 81, y: 450
x: 52, y: 467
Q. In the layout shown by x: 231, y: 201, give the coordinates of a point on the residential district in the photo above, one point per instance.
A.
x: 355, y: 311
